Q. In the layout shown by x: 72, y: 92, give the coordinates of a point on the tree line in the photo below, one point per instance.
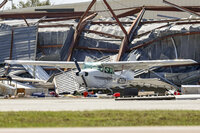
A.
x: 30, y: 3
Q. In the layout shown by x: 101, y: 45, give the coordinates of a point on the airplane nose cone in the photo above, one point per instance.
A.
x: 77, y: 73
x: 82, y: 74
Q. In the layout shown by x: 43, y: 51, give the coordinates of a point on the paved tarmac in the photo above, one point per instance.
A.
x: 66, y: 104
x: 105, y: 130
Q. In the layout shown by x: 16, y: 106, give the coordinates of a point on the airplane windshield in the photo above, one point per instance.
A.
x: 99, y: 67
x: 92, y: 65
x: 108, y: 70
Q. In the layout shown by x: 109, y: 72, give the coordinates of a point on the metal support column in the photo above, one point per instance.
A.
x: 130, y: 34
x: 79, y: 29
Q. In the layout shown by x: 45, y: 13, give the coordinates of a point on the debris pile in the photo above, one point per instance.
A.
x: 64, y: 36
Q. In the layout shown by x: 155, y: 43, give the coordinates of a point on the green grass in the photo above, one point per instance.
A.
x: 106, y: 118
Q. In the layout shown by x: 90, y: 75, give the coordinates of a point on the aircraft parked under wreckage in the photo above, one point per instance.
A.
x: 105, y: 74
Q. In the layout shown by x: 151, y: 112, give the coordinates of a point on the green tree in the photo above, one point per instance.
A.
x: 32, y: 3
x: 14, y: 6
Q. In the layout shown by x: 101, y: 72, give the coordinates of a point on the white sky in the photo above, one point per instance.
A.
x: 53, y: 2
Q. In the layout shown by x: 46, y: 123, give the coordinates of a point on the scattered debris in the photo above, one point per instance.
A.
x: 41, y: 36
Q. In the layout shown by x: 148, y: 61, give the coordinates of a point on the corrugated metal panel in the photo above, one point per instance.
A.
x: 68, y: 40
x: 2, y: 70
x: 55, y: 36
x: 19, y: 22
x: 186, y: 47
x: 24, y: 43
x: 37, y: 72
x: 4, y: 27
x: 24, y: 46
x: 5, y: 41
x: 66, y: 82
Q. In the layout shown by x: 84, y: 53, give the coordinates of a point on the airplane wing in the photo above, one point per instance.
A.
x: 121, y: 65
x: 133, y: 65
x: 59, y: 64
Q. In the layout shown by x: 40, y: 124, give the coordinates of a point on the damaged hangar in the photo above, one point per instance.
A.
x: 89, y: 37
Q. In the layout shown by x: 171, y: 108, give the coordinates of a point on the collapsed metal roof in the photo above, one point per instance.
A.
x: 125, y: 36
x: 106, y: 37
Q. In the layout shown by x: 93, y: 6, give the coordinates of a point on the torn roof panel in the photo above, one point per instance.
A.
x: 5, y: 39
x: 37, y: 72
x: 24, y: 43
x: 169, y: 42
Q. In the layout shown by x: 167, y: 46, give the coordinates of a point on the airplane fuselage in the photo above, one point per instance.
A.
x: 97, y: 79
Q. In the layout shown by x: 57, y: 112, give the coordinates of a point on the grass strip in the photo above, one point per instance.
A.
x: 107, y: 118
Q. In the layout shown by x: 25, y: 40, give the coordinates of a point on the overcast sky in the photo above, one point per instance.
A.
x: 54, y: 2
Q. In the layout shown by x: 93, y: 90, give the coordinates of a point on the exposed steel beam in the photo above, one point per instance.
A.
x: 79, y: 28
x: 129, y: 13
x: 86, y: 12
x: 41, y: 14
x: 124, y: 45
x: 123, y: 48
x: 109, y: 22
x: 135, y: 24
x: 136, y: 10
x: 58, y: 19
x: 163, y: 37
x: 145, y: 22
x: 26, y: 21
x: 42, y: 18
x: 104, y: 34
x: 11, y: 43
x: 99, y: 49
x: 51, y: 46
x: 60, y: 25
x: 3, y: 3
x: 182, y: 8
x: 119, y: 23
x: 77, y: 36
x: 89, y: 17
x: 193, y: 22
x: 168, y: 8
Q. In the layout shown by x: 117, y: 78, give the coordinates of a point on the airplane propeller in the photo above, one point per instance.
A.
x: 77, y: 65
x: 79, y: 70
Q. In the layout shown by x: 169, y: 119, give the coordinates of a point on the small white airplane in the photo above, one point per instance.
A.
x: 104, y: 74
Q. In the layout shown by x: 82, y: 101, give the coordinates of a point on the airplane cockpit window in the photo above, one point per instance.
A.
x: 93, y: 66
x: 100, y: 68
x: 108, y: 70
x: 90, y: 66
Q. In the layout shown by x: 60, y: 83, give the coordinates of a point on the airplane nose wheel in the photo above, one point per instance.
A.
x: 121, y: 81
